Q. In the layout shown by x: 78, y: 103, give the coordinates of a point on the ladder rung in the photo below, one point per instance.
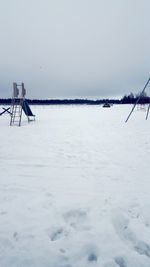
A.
x: 16, y: 110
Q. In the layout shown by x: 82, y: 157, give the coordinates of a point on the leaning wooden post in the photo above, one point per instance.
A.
x: 147, y: 111
x: 138, y: 100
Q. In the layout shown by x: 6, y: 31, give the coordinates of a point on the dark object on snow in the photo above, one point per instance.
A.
x: 5, y: 110
x: 92, y: 257
x: 106, y: 105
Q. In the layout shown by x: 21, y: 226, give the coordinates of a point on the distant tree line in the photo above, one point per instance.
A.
x: 64, y: 101
x: 127, y: 99
x: 131, y: 99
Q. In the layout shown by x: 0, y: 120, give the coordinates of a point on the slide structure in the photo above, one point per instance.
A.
x: 27, y: 110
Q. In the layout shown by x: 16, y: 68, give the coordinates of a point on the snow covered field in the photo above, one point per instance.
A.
x: 75, y: 188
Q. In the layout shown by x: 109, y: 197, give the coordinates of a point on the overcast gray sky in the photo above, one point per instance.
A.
x: 74, y: 48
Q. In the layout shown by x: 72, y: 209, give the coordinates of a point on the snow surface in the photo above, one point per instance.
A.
x: 74, y: 188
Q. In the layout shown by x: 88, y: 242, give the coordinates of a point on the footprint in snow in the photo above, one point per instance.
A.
x: 77, y: 219
x: 120, y: 262
x: 90, y: 253
x: 57, y: 233
x: 121, y: 225
x: 3, y: 213
x: 142, y: 248
x: 92, y: 257
x: 16, y: 236
x: 111, y: 263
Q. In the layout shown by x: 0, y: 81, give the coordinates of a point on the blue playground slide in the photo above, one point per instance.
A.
x: 27, y: 110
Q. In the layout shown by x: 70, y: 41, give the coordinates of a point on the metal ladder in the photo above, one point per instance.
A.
x: 16, y: 111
